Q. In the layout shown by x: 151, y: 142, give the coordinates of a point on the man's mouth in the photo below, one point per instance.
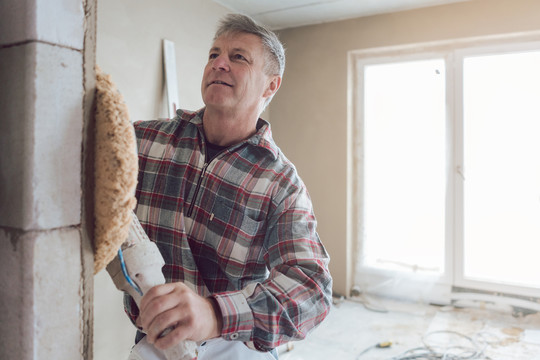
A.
x: 219, y: 82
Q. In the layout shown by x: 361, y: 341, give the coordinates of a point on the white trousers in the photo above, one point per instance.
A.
x: 219, y: 349
x: 213, y: 349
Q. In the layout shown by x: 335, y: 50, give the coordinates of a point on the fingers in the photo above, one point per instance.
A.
x: 158, y: 300
x: 180, y: 312
x: 173, y: 335
x: 157, y: 291
x: 167, y: 329
x: 160, y: 309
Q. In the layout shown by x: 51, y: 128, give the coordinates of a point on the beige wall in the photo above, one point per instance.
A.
x: 309, y: 113
x: 129, y: 48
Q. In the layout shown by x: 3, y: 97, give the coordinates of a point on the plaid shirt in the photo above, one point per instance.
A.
x: 239, y: 228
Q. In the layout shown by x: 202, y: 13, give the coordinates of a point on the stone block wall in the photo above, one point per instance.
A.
x: 45, y: 257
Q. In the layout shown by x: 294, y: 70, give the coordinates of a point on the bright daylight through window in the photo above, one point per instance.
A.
x: 502, y: 168
x: 448, y: 167
x: 404, y: 137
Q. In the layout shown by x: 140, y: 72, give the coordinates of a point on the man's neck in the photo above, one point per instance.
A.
x: 226, y: 129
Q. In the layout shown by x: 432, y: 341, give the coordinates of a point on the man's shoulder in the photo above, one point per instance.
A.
x: 164, y: 127
x: 284, y: 171
x: 186, y: 115
x: 288, y: 168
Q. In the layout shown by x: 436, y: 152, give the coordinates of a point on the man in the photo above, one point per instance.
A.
x: 232, y: 219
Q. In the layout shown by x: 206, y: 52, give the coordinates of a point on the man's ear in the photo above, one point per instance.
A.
x: 273, y: 86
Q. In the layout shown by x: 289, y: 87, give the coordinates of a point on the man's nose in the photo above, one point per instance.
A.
x: 221, y: 62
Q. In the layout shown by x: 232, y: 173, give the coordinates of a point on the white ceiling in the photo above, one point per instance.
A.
x: 281, y: 14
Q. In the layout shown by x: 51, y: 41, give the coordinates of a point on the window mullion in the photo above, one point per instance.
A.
x: 450, y: 203
x: 457, y: 169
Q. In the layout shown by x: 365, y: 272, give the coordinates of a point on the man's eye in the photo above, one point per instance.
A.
x: 212, y: 56
x: 239, y: 57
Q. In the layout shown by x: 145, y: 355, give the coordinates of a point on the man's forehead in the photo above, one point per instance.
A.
x: 240, y: 41
x: 234, y: 49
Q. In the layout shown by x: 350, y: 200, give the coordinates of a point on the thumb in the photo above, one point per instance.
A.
x: 138, y: 322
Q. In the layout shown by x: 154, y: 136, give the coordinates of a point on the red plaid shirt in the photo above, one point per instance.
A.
x: 240, y: 228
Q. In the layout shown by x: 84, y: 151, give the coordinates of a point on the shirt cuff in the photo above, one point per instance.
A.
x: 131, y: 308
x: 237, y: 316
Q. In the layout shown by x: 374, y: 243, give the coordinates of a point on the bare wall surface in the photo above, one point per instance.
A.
x: 129, y: 48
x: 130, y: 34
x: 309, y: 113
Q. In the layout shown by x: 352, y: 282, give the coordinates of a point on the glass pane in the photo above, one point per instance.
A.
x: 404, y: 166
x: 502, y: 168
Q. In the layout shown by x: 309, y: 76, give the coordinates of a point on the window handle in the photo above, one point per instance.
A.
x: 460, y: 171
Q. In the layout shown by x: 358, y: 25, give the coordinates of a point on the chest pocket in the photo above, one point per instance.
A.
x: 237, y: 238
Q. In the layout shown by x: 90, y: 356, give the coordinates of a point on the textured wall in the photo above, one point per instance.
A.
x: 42, y: 251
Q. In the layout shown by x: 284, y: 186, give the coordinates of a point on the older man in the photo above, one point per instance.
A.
x: 245, y: 268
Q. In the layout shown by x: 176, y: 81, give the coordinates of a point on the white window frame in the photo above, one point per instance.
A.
x: 453, y: 52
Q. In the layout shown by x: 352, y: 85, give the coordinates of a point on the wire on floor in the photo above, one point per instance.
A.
x: 453, y: 350
x: 381, y: 345
x: 368, y: 303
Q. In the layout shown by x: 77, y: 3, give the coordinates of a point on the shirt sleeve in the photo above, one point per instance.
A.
x: 130, y: 307
x: 296, y: 296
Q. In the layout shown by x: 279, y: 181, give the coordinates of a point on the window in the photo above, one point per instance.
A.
x: 404, y: 116
x: 501, y: 195
x: 447, y: 170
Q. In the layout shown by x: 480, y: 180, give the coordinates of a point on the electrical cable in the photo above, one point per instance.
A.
x: 361, y: 298
x: 381, y: 345
x: 126, y: 274
x: 473, y: 350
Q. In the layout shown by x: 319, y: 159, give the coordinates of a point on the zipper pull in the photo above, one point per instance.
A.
x: 196, y: 194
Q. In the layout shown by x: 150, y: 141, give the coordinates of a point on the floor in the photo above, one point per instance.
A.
x: 351, y: 331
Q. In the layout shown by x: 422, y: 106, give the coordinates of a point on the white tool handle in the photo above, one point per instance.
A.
x: 143, y: 262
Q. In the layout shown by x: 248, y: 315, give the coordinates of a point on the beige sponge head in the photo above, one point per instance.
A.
x: 116, y: 167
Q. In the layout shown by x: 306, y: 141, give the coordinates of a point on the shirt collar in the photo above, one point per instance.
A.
x: 262, y: 138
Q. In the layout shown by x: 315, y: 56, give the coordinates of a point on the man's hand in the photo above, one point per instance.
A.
x: 192, y: 317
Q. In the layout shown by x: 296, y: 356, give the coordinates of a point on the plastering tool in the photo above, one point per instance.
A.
x: 120, y: 243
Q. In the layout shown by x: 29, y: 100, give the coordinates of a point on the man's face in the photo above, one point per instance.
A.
x: 234, y: 79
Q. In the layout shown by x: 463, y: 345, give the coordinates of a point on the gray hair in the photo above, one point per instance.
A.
x: 274, y: 52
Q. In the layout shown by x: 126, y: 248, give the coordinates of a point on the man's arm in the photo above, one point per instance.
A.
x: 292, y: 301
x: 296, y: 297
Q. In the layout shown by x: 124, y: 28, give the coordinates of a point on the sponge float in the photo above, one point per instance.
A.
x: 116, y: 168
